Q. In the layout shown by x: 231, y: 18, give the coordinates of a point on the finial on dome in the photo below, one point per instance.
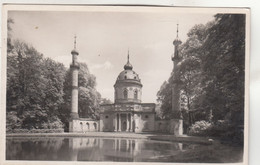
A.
x: 128, y: 66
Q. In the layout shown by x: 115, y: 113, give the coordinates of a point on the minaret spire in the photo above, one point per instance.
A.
x: 177, y: 30
x: 75, y: 41
x: 176, y: 43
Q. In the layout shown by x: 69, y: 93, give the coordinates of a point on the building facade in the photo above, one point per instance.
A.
x: 128, y: 113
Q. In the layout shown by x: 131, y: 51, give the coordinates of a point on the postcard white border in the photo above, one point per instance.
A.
x: 91, y: 8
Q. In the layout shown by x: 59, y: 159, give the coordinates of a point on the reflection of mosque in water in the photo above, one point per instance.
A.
x: 119, y: 149
x: 94, y: 149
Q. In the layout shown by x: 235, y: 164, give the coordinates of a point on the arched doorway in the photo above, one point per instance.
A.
x: 124, y: 126
x: 133, y: 124
x: 95, y: 126
x: 87, y: 126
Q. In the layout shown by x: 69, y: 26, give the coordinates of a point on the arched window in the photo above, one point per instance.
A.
x: 95, y: 126
x: 125, y: 93
x: 81, y: 126
x: 135, y: 94
x: 88, y: 125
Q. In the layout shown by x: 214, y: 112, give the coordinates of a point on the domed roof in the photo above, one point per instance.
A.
x: 128, y: 73
x: 74, y: 51
x: 128, y: 66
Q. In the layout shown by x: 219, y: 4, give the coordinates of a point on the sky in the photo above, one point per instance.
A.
x: 104, y: 38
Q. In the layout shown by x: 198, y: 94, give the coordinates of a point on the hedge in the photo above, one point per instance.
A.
x: 36, y: 131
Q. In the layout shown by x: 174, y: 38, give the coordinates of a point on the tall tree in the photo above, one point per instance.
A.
x: 164, y: 98
x: 26, y: 95
x: 190, y: 72
x: 54, y: 74
x: 224, y: 65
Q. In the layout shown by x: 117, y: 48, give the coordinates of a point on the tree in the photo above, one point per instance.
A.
x: 34, y: 87
x: 25, y: 96
x: 164, y: 98
x: 10, y: 21
x: 105, y: 101
x: 224, y: 65
x: 54, y: 73
x: 190, y: 72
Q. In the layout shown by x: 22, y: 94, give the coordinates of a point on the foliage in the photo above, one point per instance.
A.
x: 36, y: 131
x: 221, y: 129
x: 224, y: 65
x: 164, y: 98
x: 200, y: 128
x: 105, y: 101
x: 34, y: 87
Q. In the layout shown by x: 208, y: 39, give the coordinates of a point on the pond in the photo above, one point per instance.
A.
x: 93, y: 149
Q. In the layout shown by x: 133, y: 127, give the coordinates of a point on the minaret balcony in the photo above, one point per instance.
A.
x: 74, y: 65
x: 177, y: 42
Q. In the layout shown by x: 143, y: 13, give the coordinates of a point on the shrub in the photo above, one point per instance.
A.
x: 200, y: 128
x: 220, y: 129
x: 54, y: 123
x: 12, y: 121
x: 36, y: 131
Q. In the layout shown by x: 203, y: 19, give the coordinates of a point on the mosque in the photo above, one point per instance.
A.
x: 127, y: 113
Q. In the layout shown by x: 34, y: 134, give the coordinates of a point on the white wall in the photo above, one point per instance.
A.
x: 83, y: 126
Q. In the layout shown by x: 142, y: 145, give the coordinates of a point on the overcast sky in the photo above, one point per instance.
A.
x: 103, y: 39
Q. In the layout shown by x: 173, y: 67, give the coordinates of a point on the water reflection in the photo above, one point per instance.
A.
x: 91, y: 149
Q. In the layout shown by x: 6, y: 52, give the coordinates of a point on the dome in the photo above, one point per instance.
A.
x: 128, y: 66
x: 74, y: 51
x: 128, y: 87
x: 128, y: 75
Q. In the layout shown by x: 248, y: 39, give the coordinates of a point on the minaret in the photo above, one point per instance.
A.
x: 176, y: 57
x: 74, y: 68
x: 177, y: 122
